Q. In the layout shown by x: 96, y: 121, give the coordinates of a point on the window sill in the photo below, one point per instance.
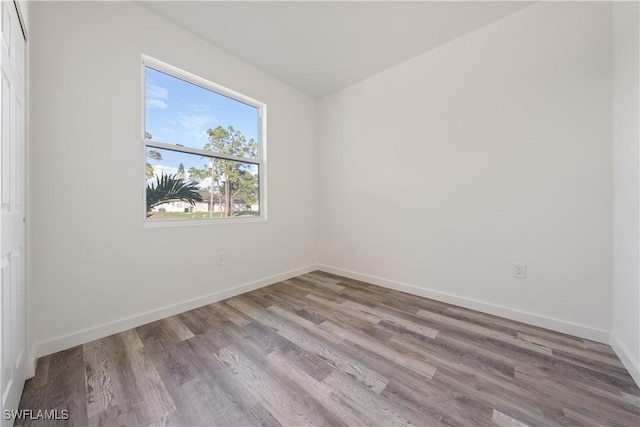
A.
x: 200, y: 222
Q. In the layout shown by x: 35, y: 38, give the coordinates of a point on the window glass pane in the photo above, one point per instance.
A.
x: 188, y: 186
x: 236, y: 188
x: 178, y: 112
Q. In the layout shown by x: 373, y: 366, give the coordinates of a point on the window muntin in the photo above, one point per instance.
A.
x: 242, y: 199
x: 207, y: 136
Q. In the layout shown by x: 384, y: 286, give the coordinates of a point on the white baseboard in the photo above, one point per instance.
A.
x: 30, y: 366
x: 87, y: 335
x: 631, y: 362
x: 565, y: 327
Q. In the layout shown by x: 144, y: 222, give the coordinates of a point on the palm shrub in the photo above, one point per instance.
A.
x: 171, y: 188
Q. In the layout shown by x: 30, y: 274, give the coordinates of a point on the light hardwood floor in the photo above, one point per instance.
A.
x: 324, y: 350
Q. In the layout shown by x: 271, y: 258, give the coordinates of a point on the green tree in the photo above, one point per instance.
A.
x: 151, y: 154
x: 231, y: 181
x: 181, y: 173
x: 201, y: 175
x: 171, y: 188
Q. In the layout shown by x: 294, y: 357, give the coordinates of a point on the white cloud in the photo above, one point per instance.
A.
x: 167, y: 130
x: 157, y: 103
x: 157, y: 96
x: 196, y: 121
x: 159, y: 170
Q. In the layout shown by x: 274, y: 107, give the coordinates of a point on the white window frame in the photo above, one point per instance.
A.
x: 261, y: 161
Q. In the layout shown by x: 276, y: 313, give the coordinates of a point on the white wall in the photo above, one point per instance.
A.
x: 625, y: 336
x: 492, y: 149
x: 95, y: 268
x: 435, y: 176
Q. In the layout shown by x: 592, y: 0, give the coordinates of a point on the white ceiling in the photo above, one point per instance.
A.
x: 321, y: 47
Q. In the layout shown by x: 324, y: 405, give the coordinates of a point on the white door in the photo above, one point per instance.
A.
x: 12, y: 196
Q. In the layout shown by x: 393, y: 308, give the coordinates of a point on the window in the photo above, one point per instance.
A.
x: 203, y: 148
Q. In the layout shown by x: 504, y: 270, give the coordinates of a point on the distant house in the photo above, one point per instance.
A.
x: 205, y: 206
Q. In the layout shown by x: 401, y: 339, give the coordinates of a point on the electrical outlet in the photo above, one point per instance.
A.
x: 222, y: 259
x: 520, y: 271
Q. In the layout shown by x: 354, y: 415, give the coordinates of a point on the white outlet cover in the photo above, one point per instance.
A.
x: 520, y: 271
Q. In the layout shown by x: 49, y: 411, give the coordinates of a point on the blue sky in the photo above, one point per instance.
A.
x: 178, y: 112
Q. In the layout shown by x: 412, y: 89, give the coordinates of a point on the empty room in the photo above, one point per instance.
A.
x: 334, y: 213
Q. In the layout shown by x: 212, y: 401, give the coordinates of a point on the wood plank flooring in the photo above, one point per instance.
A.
x: 324, y: 350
